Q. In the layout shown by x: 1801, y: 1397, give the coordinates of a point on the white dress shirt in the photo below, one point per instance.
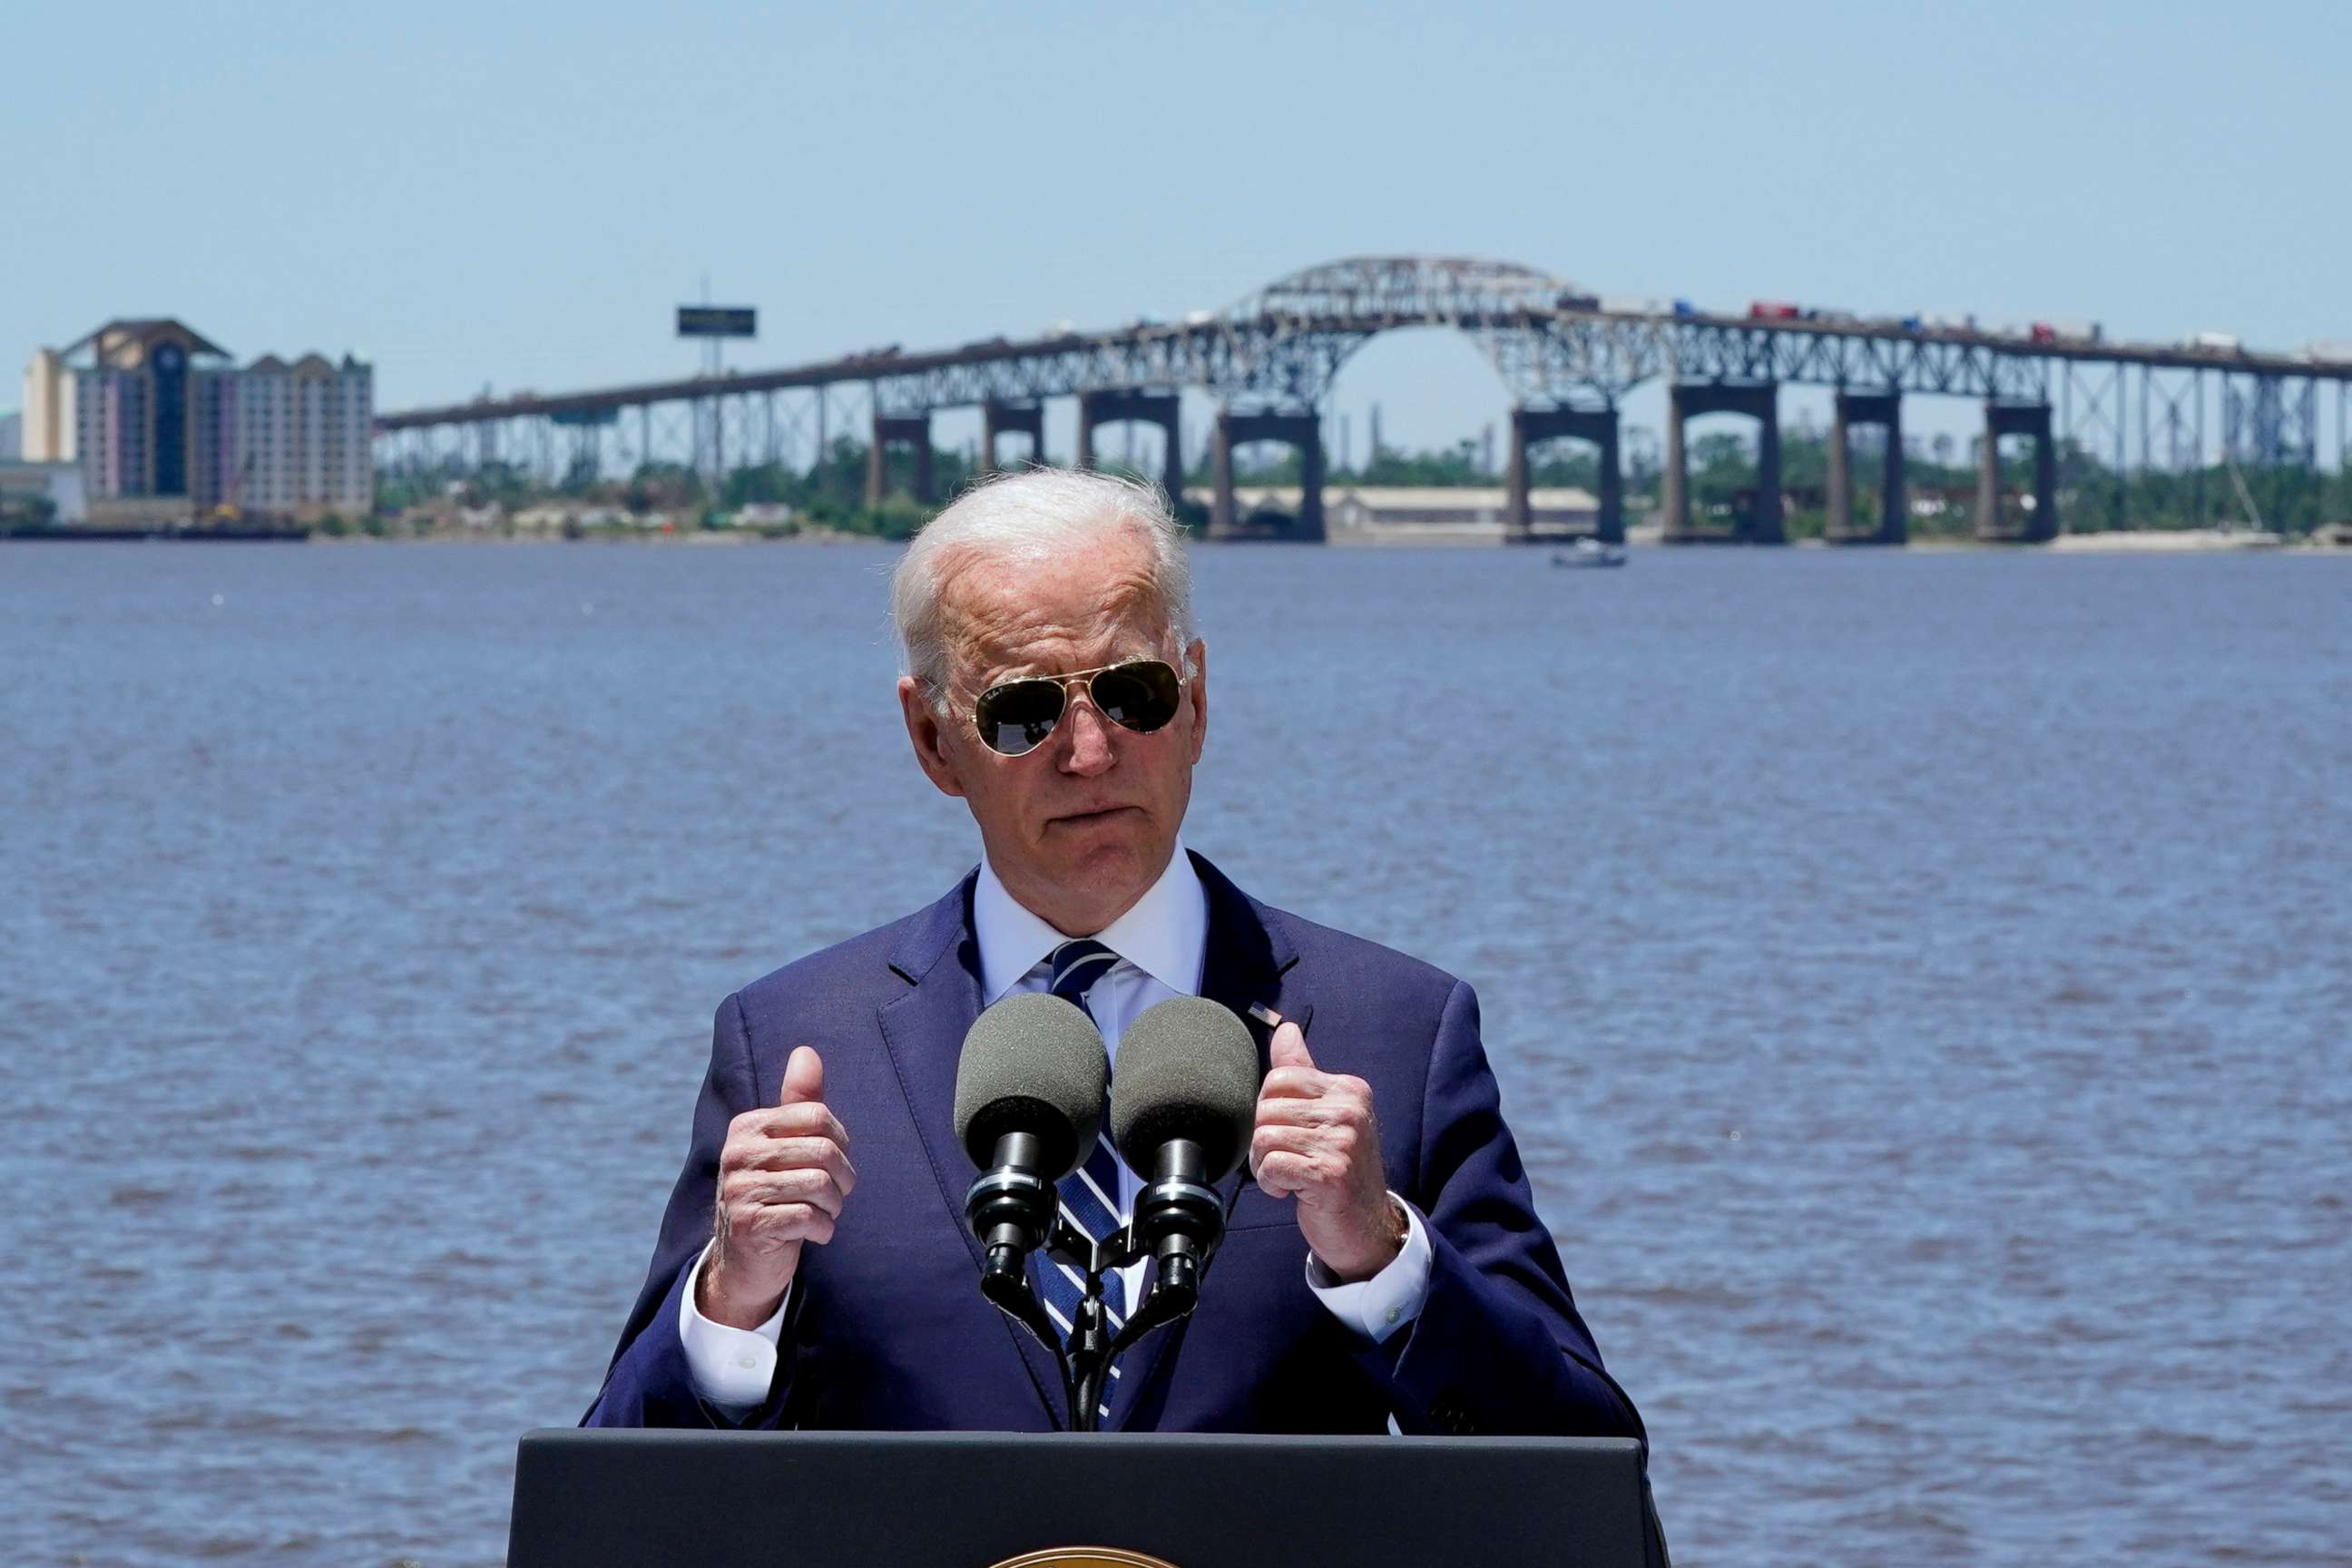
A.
x: 1161, y: 943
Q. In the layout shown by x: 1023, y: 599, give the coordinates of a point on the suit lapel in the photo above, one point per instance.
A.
x: 923, y: 1030
x: 1244, y: 964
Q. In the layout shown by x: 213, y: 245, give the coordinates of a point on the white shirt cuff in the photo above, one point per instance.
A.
x: 732, y: 1368
x: 1379, y: 1307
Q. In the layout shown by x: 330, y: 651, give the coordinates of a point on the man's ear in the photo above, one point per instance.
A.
x: 1198, y: 656
x: 928, y: 735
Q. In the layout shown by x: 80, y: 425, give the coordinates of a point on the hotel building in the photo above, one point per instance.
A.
x: 163, y: 425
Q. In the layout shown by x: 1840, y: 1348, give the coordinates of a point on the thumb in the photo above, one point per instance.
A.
x: 1287, y: 1048
x: 803, y: 1078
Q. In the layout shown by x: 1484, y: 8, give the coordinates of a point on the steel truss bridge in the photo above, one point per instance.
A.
x: 1268, y: 363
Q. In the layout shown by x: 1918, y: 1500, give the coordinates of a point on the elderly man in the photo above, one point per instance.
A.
x: 1384, y: 1268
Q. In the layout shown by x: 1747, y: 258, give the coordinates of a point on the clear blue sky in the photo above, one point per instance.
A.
x: 516, y: 194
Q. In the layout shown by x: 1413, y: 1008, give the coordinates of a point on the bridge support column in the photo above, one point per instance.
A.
x: 1530, y: 425
x: 1223, y: 524
x: 1310, y: 528
x: 1302, y: 430
x: 1765, y: 522
x: 1673, y: 484
x: 1009, y: 419
x: 2018, y: 419
x: 1883, y: 410
x: 915, y: 428
x: 1160, y: 408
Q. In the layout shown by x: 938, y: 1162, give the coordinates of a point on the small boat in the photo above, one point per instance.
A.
x: 1590, y: 553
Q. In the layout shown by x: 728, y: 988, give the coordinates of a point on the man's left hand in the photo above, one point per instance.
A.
x: 1317, y: 1140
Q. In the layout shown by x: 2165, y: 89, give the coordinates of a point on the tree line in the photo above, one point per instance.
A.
x: 1939, y: 479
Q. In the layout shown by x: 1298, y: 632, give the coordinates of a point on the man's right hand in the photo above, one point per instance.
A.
x: 782, y: 1177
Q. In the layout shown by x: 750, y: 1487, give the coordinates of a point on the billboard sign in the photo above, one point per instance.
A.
x: 717, y: 322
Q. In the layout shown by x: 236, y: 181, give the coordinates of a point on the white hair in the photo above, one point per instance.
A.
x: 1040, y: 511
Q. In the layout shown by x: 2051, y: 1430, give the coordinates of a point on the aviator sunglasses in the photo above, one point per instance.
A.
x: 1015, y: 716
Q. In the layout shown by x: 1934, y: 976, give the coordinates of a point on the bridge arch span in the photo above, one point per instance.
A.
x: 1283, y: 344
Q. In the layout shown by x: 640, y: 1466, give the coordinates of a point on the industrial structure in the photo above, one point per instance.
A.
x: 1566, y: 357
x: 166, y: 427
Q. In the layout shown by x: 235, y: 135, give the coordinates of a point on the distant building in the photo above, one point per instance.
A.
x: 162, y: 424
x: 10, y: 424
x: 1428, y: 514
x: 60, y: 484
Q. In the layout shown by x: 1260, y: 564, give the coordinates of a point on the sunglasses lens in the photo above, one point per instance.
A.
x: 1014, y: 717
x: 1141, y: 696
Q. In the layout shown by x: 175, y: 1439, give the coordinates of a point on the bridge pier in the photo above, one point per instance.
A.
x: 2018, y: 419
x: 1304, y: 431
x: 1160, y: 408
x: 1881, y: 408
x: 1530, y: 425
x: 1765, y: 522
x: 1009, y: 419
x: 891, y: 428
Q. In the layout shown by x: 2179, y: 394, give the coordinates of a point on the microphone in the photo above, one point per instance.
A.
x: 1028, y: 1106
x: 1186, y: 1102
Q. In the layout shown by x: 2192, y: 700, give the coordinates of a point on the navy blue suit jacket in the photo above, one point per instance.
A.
x: 886, y: 1328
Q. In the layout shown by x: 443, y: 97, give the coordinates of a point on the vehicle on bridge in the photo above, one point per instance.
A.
x: 2216, y: 342
x: 1775, y: 310
x: 2067, y: 332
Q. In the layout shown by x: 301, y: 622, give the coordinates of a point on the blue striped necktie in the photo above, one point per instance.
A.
x: 1089, y: 1194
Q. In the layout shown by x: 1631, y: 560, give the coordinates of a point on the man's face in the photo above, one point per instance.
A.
x: 1079, y: 827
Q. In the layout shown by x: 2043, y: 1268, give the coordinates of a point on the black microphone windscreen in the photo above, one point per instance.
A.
x: 1187, y: 1068
x: 1033, y: 1063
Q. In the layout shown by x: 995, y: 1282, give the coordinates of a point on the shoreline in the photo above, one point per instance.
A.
x: 2137, y: 542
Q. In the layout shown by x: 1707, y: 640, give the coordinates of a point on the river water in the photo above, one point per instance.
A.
x: 1921, y: 982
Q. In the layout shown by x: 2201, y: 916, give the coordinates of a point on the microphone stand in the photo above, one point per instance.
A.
x: 1178, y: 1203
x: 1085, y: 1360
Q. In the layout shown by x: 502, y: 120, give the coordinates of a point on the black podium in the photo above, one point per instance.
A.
x: 976, y: 1500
